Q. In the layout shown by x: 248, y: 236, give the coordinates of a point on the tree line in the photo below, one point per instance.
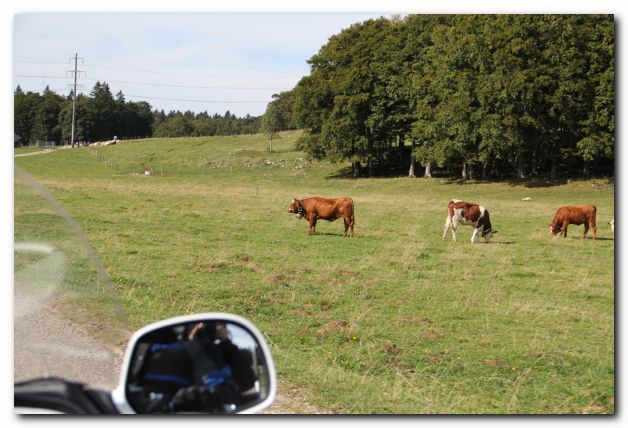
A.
x: 473, y: 96
x: 101, y: 116
x: 177, y: 124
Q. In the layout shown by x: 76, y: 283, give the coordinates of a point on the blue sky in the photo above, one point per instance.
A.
x: 201, y: 62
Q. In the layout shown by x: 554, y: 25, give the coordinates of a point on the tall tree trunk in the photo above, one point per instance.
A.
x: 485, y: 171
x: 521, y: 163
x: 370, y: 153
x: 470, y: 171
x: 585, y: 169
x: 535, y: 164
x: 411, y: 173
x: 270, y: 143
x: 357, y: 169
x: 554, y: 168
x: 428, y: 170
x: 464, y: 171
x: 400, y: 146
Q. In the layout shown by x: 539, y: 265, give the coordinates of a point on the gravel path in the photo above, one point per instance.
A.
x: 41, y: 152
x: 45, y: 342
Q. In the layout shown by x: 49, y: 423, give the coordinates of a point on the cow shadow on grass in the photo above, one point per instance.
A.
x: 339, y: 235
x: 579, y: 238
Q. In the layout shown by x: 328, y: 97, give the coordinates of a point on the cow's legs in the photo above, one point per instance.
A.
x: 312, y: 228
x: 474, y: 237
x: 348, y: 226
x: 454, y: 226
x: 586, y: 229
x: 594, y: 229
x: 565, y: 224
x: 449, y: 223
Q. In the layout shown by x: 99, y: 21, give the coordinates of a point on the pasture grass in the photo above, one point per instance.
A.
x: 394, y: 320
x: 55, y: 264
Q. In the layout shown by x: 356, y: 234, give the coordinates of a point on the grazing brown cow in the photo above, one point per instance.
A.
x: 315, y: 208
x: 578, y: 214
x: 469, y: 214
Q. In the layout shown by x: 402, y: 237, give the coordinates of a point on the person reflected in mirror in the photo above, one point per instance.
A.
x: 204, y: 372
x: 214, y: 338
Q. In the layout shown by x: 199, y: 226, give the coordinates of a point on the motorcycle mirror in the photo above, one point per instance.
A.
x: 212, y: 363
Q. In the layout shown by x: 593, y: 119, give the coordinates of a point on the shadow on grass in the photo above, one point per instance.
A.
x: 334, y: 234
x: 588, y: 238
x: 346, y: 173
x: 488, y: 243
x: 531, y: 183
x: 287, y: 150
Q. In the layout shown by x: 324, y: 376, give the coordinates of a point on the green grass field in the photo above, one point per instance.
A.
x: 393, y: 320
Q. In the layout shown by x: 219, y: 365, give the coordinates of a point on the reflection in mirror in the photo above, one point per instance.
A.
x: 197, y: 367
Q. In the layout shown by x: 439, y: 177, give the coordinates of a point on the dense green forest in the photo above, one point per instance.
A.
x: 474, y: 96
x: 101, y: 116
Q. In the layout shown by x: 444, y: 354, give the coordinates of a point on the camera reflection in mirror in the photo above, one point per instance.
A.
x: 209, y: 367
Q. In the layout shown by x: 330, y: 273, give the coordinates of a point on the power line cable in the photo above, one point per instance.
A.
x: 196, y: 101
x: 40, y: 76
x: 252, y: 67
x: 56, y: 89
x: 213, y: 76
x: 239, y: 88
x: 43, y: 50
x: 41, y: 62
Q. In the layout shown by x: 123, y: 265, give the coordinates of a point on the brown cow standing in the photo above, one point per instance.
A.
x: 469, y: 214
x: 316, y: 208
x: 578, y: 214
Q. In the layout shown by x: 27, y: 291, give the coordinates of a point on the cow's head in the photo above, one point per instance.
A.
x: 296, y: 207
x: 554, y: 228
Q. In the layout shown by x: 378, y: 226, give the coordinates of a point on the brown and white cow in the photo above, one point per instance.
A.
x: 467, y: 213
x: 312, y: 209
x: 574, y: 214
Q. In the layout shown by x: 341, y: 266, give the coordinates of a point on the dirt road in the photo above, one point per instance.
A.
x: 47, y: 343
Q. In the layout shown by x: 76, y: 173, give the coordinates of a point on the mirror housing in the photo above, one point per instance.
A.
x: 213, y: 363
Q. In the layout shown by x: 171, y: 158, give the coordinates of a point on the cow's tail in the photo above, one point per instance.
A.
x: 352, y: 212
x: 594, y: 216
